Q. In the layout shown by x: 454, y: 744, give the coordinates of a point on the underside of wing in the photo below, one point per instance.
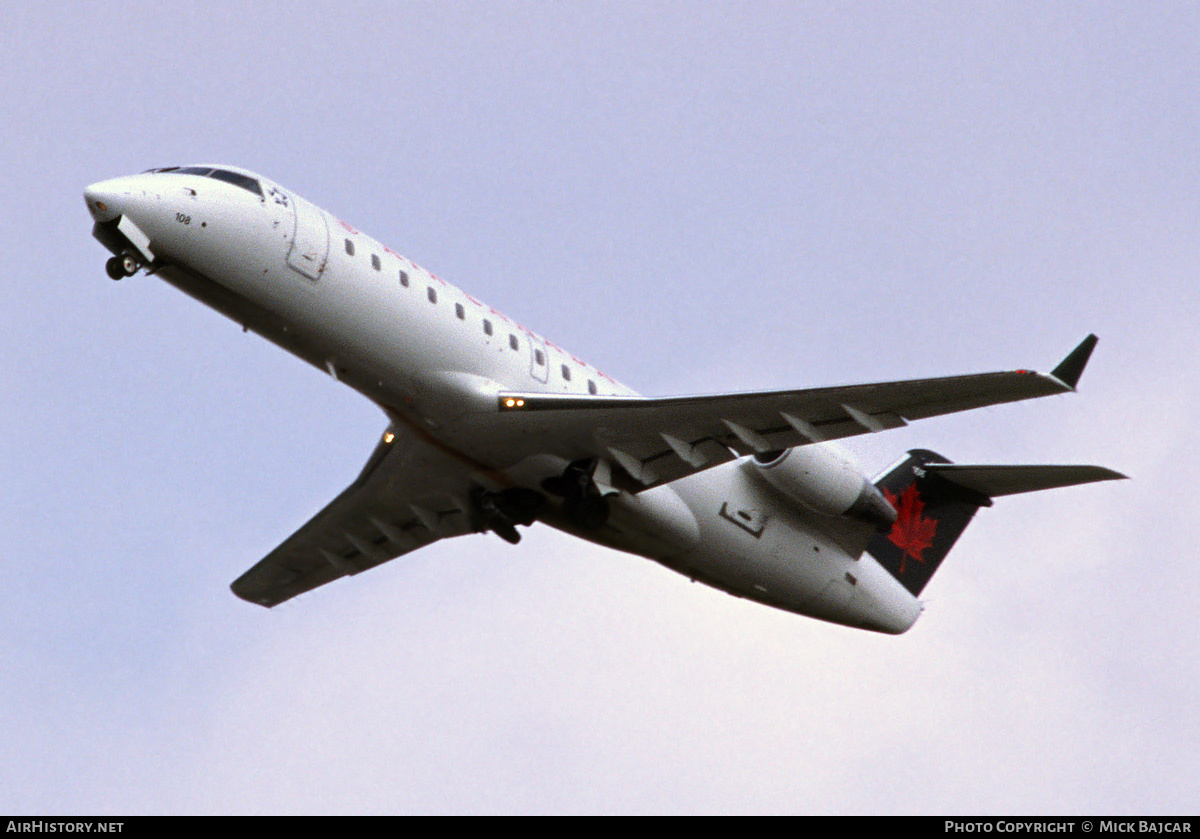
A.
x: 654, y: 441
x: 408, y: 495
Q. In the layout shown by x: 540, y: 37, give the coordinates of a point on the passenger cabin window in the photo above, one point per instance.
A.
x: 512, y: 341
x: 431, y: 294
x: 487, y: 327
x: 404, y: 278
x: 460, y: 311
x: 349, y: 247
x: 566, y: 371
x: 376, y: 262
x: 591, y: 387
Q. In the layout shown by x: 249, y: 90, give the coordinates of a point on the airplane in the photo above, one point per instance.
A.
x: 491, y: 427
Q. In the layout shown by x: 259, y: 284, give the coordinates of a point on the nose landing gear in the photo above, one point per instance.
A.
x: 119, y: 267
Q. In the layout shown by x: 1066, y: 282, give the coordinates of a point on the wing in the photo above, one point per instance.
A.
x: 409, y: 494
x: 655, y: 441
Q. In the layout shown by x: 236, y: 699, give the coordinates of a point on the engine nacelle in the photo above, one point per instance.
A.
x: 825, y: 482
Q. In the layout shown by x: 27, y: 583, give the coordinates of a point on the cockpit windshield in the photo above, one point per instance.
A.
x: 236, y: 178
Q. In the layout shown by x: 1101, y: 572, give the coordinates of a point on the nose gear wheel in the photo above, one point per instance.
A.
x: 121, y: 266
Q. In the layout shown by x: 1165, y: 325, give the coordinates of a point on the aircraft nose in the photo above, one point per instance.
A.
x: 105, y: 199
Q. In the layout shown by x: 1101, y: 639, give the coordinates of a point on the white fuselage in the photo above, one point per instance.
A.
x: 435, y: 358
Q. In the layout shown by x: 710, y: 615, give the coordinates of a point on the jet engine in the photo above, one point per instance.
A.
x: 825, y: 482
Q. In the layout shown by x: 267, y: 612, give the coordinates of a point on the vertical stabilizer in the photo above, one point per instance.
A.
x: 932, y: 514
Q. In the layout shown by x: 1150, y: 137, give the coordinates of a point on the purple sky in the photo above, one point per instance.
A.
x: 696, y: 197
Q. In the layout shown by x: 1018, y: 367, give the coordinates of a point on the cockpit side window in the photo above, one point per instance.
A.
x: 238, y: 179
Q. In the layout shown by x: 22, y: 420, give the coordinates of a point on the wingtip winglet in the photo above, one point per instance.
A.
x: 1071, y: 368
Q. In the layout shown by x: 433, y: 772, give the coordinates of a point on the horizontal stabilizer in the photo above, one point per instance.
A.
x: 935, y: 500
x: 1010, y: 480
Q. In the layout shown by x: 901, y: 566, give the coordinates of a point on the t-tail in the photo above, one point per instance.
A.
x: 935, y: 500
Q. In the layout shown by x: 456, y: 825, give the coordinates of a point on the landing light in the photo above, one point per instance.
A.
x: 389, y: 437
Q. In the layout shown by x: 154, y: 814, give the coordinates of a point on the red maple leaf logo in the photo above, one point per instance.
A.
x: 912, y: 532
